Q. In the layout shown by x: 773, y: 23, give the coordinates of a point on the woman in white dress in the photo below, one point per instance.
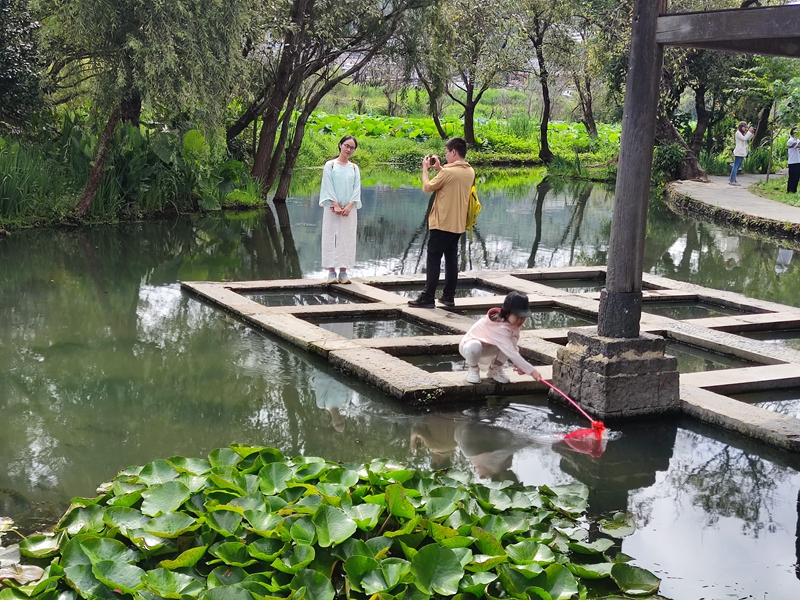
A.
x: 340, y: 196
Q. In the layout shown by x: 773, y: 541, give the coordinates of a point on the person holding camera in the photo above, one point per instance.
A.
x: 742, y: 136
x: 447, y: 220
x: 793, y: 146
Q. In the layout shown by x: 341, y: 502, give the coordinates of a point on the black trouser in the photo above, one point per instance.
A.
x: 442, y: 243
x: 794, y: 177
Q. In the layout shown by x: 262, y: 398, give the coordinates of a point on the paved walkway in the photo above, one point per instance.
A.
x: 738, y: 199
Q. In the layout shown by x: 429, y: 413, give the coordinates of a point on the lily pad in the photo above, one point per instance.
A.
x: 634, y: 581
x: 171, y: 585
x: 171, y: 525
x: 187, y: 558
x: 436, y: 570
x: 41, y: 546
x: 164, y: 498
x: 118, y: 575
x: 333, y: 526
x: 621, y: 525
x: 317, y: 586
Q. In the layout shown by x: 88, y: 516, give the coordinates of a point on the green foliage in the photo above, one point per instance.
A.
x: 775, y: 189
x: 666, y: 160
x: 715, y: 164
x: 19, y: 64
x: 249, y: 522
x: 757, y: 161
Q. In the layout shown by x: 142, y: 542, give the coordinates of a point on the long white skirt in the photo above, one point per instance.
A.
x: 339, y: 239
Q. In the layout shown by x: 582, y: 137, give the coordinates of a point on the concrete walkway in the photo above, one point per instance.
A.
x: 738, y: 200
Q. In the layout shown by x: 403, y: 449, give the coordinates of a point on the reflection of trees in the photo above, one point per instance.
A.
x: 726, y: 481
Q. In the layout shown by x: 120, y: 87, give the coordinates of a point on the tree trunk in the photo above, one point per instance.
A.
x: 469, y: 123
x: 690, y: 167
x: 131, y: 108
x: 762, y: 128
x: 544, y: 148
x: 282, y: 191
x: 586, y: 104
x: 703, y: 119
x: 96, y: 172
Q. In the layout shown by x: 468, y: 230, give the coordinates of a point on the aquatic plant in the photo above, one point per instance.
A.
x: 251, y: 524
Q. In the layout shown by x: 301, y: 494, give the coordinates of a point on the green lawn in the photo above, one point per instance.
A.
x: 775, y: 189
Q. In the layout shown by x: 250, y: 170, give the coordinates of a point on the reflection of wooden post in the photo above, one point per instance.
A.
x: 621, y: 301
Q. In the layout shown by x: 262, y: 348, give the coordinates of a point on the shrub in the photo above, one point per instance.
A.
x: 666, y: 160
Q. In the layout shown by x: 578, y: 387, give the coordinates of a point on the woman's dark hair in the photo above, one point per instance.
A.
x: 504, y: 312
x: 792, y: 131
x: 345, y: 138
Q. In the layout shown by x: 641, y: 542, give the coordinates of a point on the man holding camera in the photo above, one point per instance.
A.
x: 447, y: 220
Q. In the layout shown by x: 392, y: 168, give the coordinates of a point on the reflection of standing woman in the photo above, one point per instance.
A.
x: 793, y: 146
x: 340, y: 194
x: 741, y: 137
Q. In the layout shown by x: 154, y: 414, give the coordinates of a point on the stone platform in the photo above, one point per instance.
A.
x: 379, y: 360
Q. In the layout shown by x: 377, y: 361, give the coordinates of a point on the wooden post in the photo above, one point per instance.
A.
x: 621, y: 301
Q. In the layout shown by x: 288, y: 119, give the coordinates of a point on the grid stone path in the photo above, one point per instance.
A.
x: 379, y: 361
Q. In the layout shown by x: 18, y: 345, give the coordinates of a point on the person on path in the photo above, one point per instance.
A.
x: 793, y: 146
x: 495, y: 338
x: 340, y: 196
x: 742, y: 136
x: 447, y: 220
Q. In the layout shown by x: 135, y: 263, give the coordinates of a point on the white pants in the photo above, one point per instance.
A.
x: 477, y: 354
x: 338, y: 239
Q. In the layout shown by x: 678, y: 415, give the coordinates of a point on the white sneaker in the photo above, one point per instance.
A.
x: 474, y: 375
x: 496, y: 373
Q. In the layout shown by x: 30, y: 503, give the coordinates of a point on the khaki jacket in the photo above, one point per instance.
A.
x: 452, y: 185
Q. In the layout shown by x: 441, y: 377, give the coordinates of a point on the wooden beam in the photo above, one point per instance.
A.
x: 787, y: 47
x: 752, y: 30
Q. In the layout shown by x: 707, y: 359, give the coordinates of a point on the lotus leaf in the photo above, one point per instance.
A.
x: 262, y: 523
x: 171, y: 585
x: 224, y: 457
x: 164, y: 498
x: 333, y: 526
x: 487, y: 543
x: 171, y: 525
x: 192, y: 466
x: 225, y: 522
x: 227, y: 592
x: 475, y: 583
x: 437, y: 570
x: 318, y: 587
x: 527, y: 552
x: 634, y: 580
x: 234, y: 554
x: 365, y: 515
x: 118, y: 575
x: 187, y: 558
x: 81, y: 578
x: 83, y: 520
x: 464, y: 555
x: 439, y: 508
x: 41, y: 546
x: 344, y: 477
x: 591, y: 571
x: 596, y: 547
x: 557, y: 581
x: 398, y: 503
x: 274, y: 477
x: 621, y: 525
x: 266, y: 549
x: 356, y: 567
x: 158, y: 471
x: 303, y: 531
x: 292, y: 562
x: 225, y: 575
x: 483, y: 562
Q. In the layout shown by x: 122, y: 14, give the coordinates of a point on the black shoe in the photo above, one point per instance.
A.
x: 448, y: 302
x: 422, y: 302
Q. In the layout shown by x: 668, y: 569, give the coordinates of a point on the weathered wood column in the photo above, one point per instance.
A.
x: 616, y: 372
x: 621, y: 301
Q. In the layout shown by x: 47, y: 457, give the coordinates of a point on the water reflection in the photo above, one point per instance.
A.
x: 105, y: 363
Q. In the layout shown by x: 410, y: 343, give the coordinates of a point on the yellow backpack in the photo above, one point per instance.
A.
x: 473, y: 210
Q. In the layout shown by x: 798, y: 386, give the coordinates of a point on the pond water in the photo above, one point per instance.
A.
x: 105, y: 363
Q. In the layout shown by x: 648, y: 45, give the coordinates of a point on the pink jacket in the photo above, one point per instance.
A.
x: 501, y: 334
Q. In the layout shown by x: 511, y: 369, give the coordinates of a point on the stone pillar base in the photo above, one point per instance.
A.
x: 615, y: 378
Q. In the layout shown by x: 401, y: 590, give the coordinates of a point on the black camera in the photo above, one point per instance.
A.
x: 431, y: 160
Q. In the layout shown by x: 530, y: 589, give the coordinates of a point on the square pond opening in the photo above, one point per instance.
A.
x: 575, y: 286
x: 412, y: 290
x: 541, y: 317
x: 302, y: 297
x: 691, y: 309
x: 788, y: 337
x: 438, y: 363
x: 693, y: 359
x: 385, y: 326
x: 784, y: 401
